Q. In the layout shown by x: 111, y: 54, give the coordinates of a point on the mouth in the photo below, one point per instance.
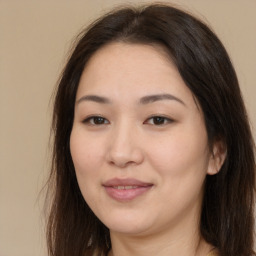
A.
x: 126, y: 189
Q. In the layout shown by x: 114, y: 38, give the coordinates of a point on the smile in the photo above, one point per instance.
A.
x: 126, y: 189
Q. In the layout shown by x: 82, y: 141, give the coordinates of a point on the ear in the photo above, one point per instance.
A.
x: 217, y: 158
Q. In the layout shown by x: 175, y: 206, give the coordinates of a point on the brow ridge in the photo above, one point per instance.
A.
x: 144, y: 100
x: 158, y: 97
x: 94, y: 98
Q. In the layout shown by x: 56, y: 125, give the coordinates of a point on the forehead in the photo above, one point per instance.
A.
x: 123, y: 69
x: 130, y: 53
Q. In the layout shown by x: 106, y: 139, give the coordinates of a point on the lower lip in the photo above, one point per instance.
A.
x: 126, y: 194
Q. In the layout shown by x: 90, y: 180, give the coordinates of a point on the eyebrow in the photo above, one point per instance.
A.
x: 144, y: 100
x: 94, y: 98
x: 158, y: 97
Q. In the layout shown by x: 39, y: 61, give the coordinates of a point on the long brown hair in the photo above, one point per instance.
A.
x: 227, y: 219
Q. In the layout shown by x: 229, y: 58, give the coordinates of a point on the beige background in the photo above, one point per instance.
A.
x: 34, y: 39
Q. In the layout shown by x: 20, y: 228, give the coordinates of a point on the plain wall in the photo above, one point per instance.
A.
x: 34, y: 40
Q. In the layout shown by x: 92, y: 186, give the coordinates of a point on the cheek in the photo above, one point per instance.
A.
x: 181, y: 163
x: 86, y: 154
x: 182, y: 153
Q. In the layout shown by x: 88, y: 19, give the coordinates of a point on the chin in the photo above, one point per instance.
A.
x: 127, y: 224
x: 127, y: 229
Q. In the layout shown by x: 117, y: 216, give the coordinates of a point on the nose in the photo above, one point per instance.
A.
x: 124, y: 148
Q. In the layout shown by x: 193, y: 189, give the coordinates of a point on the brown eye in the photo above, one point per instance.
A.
x: 158, y: 120
x: 96, y: 120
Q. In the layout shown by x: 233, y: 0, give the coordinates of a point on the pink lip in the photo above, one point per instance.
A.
x: 126, y: 189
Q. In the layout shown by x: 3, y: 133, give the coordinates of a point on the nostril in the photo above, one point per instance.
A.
x: 125, y: 158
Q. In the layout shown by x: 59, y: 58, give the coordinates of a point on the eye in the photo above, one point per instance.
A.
x: 95, y: 120
x: 158, y: 120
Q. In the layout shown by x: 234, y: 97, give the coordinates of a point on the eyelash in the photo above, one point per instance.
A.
x: 157, y: 120
x: 91, y: 120
x: 162, y: 120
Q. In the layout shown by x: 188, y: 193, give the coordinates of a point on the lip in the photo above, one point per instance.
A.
x: 126, y: 189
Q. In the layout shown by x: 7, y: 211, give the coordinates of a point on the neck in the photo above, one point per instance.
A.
x: 181, y: 236
x: 169, y: 242
x: 147, y: 247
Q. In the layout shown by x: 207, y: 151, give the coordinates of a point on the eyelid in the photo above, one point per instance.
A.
x: 163, y: 120
x: 167, y: 120
x: 88, y: 119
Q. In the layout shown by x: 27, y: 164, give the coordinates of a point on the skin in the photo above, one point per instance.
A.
x: 126, y: 142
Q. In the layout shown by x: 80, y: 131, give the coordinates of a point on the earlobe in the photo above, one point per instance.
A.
x: 217, y: 158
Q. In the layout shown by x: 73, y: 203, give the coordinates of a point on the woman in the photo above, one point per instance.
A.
x: 153, y: 154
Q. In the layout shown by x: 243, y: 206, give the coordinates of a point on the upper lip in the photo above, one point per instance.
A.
x: 126, y: 182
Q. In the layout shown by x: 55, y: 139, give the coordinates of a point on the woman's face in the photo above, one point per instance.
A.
x: 139, y: 142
